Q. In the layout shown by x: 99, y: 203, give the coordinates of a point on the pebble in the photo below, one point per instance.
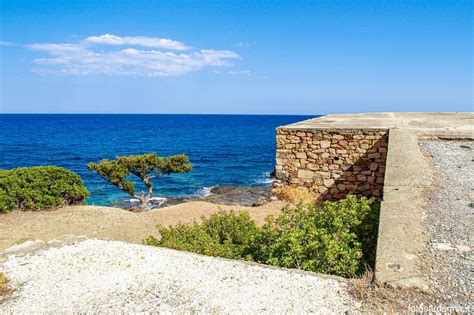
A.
x: 447, y: 219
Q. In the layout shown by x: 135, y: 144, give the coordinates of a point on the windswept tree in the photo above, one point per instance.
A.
x: 146, y: 167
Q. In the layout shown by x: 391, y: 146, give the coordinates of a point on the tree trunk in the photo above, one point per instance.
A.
x: 144, y: 199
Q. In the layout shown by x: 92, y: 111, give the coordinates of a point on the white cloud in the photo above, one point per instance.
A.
x: 56, y: 49
x: 84, y: 59
x: 241, y: 72
x: 3, y: 43
x: 242, y: 44
x: 235, y: 73
x: 154, y: 42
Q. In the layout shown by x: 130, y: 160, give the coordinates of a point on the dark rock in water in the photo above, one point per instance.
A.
x: 171, y: 201
x: 229, y: 195
x: 239, y: 195
x: 273, y: 174
x: 249, y: 196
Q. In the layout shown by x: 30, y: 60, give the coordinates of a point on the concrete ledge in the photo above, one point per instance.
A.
x: 401, y: 233
x: 427, y: 123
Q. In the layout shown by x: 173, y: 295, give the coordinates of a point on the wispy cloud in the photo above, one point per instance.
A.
x: 4, y: 43
x: 154, y: 42
x: 247, y: 73
x: 241, y: 72
x: 84, y: 57
x: 56, y: 49
x: 242, y: 44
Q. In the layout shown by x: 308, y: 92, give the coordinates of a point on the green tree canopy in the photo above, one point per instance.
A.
x: 146, y: 167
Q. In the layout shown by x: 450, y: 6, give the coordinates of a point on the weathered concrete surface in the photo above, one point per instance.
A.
x: 401, y: 233
x: 436, y: 123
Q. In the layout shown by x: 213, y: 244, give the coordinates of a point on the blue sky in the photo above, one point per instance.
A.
x: 251, y: 57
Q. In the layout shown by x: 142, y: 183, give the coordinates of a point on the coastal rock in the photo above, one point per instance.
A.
x: 239, y: 195
x: 249, y: 196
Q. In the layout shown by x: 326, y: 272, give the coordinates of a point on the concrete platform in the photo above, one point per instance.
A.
x: 408, y: 174
x: 427, y: 123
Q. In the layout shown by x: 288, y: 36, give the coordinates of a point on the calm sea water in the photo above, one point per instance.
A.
x: 224, y: 149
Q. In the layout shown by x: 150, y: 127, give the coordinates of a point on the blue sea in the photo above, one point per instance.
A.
x: 224, y: 149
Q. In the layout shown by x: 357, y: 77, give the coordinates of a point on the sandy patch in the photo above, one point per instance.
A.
x: 110, y: 223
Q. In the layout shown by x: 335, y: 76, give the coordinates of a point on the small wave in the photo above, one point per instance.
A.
x: 265, y: 179
x: 154, y: 201
x: 205, y: 191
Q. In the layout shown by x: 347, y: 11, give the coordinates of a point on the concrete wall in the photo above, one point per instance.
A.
x: 332, y: 162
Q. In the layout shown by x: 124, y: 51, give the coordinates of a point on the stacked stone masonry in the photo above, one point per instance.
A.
x: 332, y: 163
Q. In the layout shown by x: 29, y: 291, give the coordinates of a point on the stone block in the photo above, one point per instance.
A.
x: 363, y: 187
x: 374, y: 155
x: 301, y: 155
x: 294, y: 180
x: 313, y: 167
x: 329, y: 182
x: 373, y: 166
x: 325, y: 144
x: 305, y: 174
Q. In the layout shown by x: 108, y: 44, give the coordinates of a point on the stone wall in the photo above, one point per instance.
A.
x: 332, y: 162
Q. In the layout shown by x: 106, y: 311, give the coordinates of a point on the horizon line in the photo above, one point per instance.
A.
x: 222, y: 114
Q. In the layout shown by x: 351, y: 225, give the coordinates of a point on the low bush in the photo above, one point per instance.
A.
x: 338, y: 237
x: 335, y: 238
x: 295, y: 195
x: 223, y: 234
x: 40, y: 187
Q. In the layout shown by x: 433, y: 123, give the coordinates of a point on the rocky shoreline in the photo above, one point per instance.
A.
x: 249, y: 196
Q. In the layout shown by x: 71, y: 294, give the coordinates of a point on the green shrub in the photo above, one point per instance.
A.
x: 223, y: 234
x: 40, y: 187
x: 338, y: 237
x: 329, y: 239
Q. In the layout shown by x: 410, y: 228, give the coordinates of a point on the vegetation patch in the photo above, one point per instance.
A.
x: 40, y: 187
x: 337, y: 237
x: 379, y: 297
x: 4, y: 288
x: 295, y: 195
x: 223, y: 234
x: 146, y: 167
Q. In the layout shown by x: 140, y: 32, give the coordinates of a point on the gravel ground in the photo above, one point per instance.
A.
x: 112, y: 276
x: 449, y: 217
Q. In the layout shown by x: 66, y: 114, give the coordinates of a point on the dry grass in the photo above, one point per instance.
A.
x: 295, y: 195
x: 112, y: 223
x: 380, y: 297
x: 4, y: 287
